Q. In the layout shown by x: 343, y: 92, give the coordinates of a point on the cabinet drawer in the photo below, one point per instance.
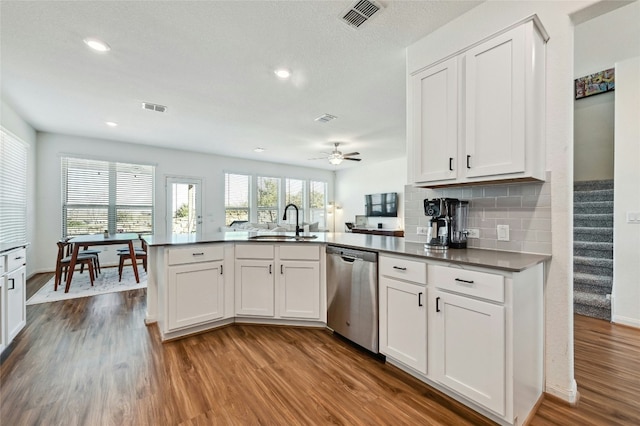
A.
x: 404, y: 269
x: 473, y: 283
x: 299, y: 252
x: 254, y: 251
x: 195, y: 254
x: 16, y: 259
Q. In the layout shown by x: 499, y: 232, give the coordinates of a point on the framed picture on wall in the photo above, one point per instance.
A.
x: 594, y: 84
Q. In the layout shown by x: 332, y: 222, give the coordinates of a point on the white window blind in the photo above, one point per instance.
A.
x: 13, y: 188
x: 236, y: 197
x: 102, y: 195
x: 295, y: 193
x: 268, y: 190
x: 318, y: 203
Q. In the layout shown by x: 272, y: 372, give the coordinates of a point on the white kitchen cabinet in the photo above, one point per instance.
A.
x: 471, y: 349
x: 255, y: 287
x: 434, y: 123
x: 486, y: 337
x: 196, y: 293
x: 299, y: 289
x: 194, y: 287
x: 497, y: 106
x: 403, y: 311
x: 298, y: 285
x: 15, y: 309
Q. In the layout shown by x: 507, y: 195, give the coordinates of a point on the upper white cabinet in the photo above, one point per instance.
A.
x: 478, y: 116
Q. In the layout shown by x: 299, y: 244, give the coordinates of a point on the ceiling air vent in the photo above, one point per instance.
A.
x: 153, y: 107
x: 324, y: 118
x: 359, y: 13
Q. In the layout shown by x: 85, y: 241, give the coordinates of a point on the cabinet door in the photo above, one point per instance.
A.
x: 195, y: 294
x: 495, y: 106
x: 403, y: 323
x: 299, y: 289
x: 434, y: 121
x: 254, y: 287
x: 470, y: 342
x: 16, y: 302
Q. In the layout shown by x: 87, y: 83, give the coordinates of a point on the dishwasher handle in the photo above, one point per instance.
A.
x: 348, y: 258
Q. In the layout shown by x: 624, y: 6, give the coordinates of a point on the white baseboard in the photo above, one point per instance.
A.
x: 631, y: 322
x: 570, y: 395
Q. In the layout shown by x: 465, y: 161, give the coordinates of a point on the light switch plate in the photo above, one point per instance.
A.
x: 422, y: 230
x: 503, y: 232
x: 633, y: 217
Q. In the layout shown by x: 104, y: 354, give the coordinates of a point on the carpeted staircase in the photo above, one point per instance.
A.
x: 593, y: 248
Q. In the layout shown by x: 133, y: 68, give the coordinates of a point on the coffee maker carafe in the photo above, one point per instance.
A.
x: 439, y: 230
x: 448, y: 224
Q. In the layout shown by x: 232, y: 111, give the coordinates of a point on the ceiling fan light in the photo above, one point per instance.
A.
x: 335, y: 160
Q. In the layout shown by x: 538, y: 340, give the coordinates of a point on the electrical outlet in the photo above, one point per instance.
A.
x: 422, y: 230
x: 503, y: 232
x: 473, y: 233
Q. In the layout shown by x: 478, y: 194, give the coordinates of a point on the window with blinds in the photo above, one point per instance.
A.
x: 295, y: 194
x: 268, y: 189
x: 103, y: 195
x: 236, y: 197
x: 318, y: 203
x: 13, y: 188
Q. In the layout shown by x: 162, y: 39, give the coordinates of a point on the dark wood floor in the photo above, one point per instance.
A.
x: 92, y: 361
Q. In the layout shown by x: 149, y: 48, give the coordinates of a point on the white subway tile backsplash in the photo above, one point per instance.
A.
x: 525, y: 207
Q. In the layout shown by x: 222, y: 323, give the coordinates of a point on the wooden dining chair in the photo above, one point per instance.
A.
x: 87, y: 251
x: 124, y: 254
x: 64, y: 259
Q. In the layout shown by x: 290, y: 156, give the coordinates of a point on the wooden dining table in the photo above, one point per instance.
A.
x: 101, y: 240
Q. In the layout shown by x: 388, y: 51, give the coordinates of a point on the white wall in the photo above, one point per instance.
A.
x: 353, y: 184
x: 599, y: 43
x: 11, y: 121
x: 479, y: 23
x: 168, y: 162
x: 626, y: 240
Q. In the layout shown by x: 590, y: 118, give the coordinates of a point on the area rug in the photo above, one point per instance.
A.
x: 105, y: 282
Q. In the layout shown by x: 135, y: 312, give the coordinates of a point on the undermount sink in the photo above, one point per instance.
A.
x: 283, y: 237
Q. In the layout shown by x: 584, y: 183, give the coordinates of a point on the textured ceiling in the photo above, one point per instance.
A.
x: 211, y: 63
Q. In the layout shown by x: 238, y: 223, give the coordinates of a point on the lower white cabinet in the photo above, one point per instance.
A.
x: 299, y: 289
x: 13, y: 308
x: 403, y: 322
x: 195, y: 293
x: 470, y: 348
x: 255, y: 286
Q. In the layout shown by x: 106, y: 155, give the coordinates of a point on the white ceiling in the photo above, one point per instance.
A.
x: 211, y: 63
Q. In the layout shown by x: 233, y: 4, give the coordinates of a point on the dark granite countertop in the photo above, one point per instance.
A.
x: 502, y: 260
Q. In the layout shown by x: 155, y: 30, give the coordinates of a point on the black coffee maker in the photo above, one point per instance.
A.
x: 448, y: 224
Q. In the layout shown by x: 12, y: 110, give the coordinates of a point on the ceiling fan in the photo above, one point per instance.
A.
x: 336, y: 157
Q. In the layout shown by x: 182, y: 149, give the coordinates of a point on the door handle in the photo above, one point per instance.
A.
x: 281, y: 269
x: 437, y: 304
x: 420, y: 299
x: 221, y: 266
x: 13, y: 283
x: 450, y: 164
x: 270, y: 269
x: 468, y: 159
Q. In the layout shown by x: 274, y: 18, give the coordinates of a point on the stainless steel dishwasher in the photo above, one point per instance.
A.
x: 352, y: 295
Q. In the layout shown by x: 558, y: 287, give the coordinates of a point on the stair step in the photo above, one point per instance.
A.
x: 601, y: 235
x: 591, y: 289
x: 596, y: 195
x: 593, y: 220
x: 592, y: 311
x: 593, y: 261
x: 593, y: 207
x: 589, y: 185
x: 593, y: 249
x: 593, y: 280
x: 595, y: 300
x: 593, y: 270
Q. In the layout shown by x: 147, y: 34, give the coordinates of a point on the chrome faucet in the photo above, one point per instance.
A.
x: 297, y: 212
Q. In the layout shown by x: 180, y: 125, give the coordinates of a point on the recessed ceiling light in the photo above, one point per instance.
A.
x: 259, y: 149
x: 283, y: 73
x: 111, y: 123
x: 97, y: 45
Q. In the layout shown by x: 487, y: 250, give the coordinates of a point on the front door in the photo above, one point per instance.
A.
x: 184, y: 197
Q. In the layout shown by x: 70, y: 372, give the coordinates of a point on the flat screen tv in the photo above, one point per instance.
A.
x: 381, y: 205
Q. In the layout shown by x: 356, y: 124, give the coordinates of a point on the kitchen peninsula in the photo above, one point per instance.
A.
x: 435, y: 308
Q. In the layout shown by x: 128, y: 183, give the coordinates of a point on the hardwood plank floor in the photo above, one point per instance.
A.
x: 92, y: 361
